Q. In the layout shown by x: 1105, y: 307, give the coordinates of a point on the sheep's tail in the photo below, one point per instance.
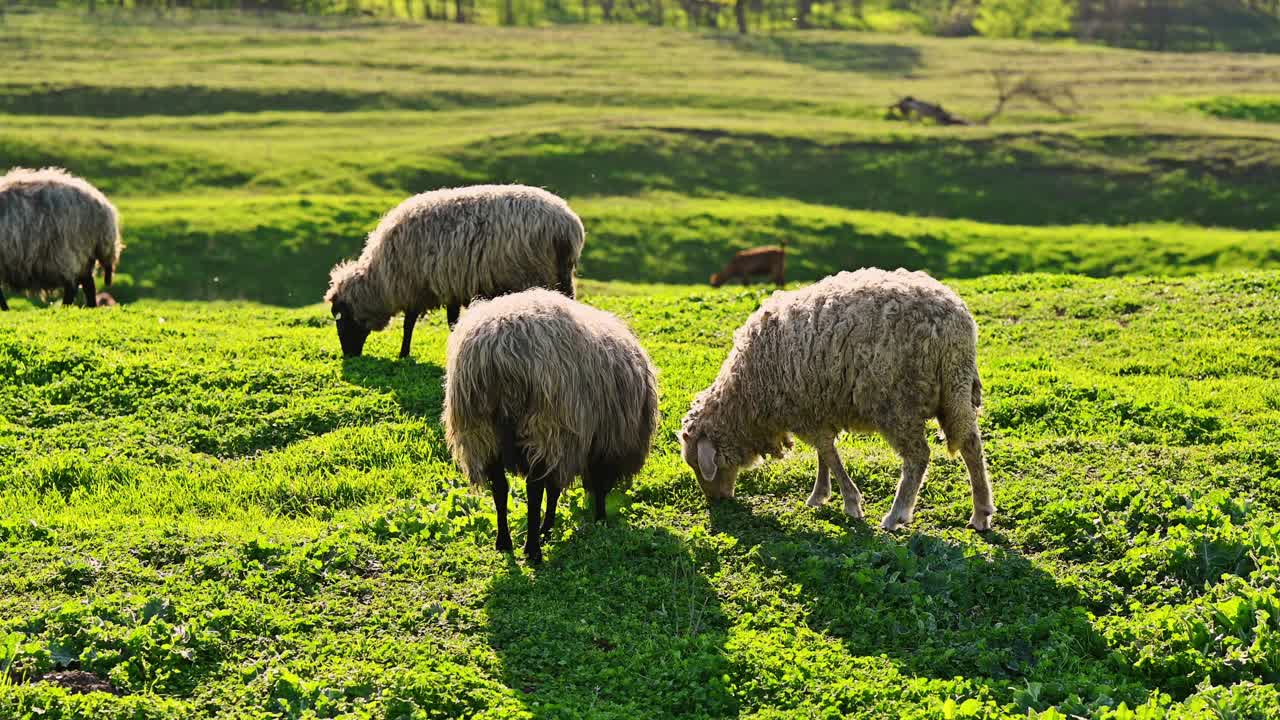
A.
x: 566, y: 264
x: 109, y: 246
x: 961, y: 401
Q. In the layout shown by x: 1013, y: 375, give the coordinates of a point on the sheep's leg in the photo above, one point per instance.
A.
x: 69, y: 294
x: 497, y: 476
x: 4, y: 306
x: 979, y: 483
x: 915, y: 460
x: 452, y: 313
x: 90, y: 291
x: 410, y: 319
x: 532, y: 547
x: 564, y: 281
x: 821, y: 486
x: 848, y: 491
x: 549, y: 517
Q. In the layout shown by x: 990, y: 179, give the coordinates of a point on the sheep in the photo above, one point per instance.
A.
x: 449, y: 247
x: 862, y: 351
x: 54, y: 229
x: 105, y: 300
x: 769, y: 260
x: 544, y: 386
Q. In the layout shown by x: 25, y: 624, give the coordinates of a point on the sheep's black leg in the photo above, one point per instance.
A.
x: 90, y: 291
x: 549, y: 517
x: 4, y: 306
x: 497, y: 477
x: 69, y: 294
x: 452, y: 313
x: 410, y: 319
x: 532, y: 547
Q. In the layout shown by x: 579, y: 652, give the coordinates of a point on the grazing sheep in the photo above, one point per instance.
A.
x: 449, y: 247
x: 549, y: 388
x: 54, y: 228
x: 105, y: 300
x: 770, y: 260
x: 865, y: 351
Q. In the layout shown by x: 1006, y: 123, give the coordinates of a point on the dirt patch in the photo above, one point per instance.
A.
x: 79, y: 682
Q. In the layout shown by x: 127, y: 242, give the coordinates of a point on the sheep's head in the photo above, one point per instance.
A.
x: 351, y: 334
x: 715, y: 474
x: 716, y: 280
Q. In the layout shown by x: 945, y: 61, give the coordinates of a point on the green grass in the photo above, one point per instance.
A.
x: 208, y: 506
x: 201, y: 502
x: 242, y: 145
x: 1254, y: 109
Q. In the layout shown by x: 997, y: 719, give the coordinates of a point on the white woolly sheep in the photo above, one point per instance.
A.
x: 549, y: 388
x: 449, y: 247
x: 54, y: 229
x: 864, y: 351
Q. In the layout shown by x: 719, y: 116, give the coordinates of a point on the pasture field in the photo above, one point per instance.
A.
x: 208, y: 507
x: 205, y: 506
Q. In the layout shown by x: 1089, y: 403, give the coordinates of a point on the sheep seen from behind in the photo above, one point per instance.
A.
x: 864, y: 351
x: 546, y: 387
x: 55, y: 229
x: 448, y: 247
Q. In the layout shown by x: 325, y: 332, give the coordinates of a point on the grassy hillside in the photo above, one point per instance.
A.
x: 208, y: 507
x: 242, y: 144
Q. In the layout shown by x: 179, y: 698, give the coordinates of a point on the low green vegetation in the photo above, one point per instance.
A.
x: 1255, y: 109
x: 211, y: 509
x: 203, y: 505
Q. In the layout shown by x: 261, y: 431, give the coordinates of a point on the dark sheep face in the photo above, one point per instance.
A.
x: 351, y: 334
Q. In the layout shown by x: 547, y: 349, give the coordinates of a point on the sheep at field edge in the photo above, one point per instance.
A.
x: 54, y: 229
x: 770, y: 260
x: 448, y: 247
x: 863, y: 351
x: 547, y: 387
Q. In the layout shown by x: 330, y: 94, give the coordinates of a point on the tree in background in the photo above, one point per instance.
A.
x: 1023, y: 18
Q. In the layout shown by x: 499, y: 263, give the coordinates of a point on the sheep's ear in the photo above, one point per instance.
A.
x: 707, y: 460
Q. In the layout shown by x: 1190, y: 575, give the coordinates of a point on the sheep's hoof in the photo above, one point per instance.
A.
x: 981, y: 521
x: 853, y: 509
x: 894, y: 521
x: 816, y: 501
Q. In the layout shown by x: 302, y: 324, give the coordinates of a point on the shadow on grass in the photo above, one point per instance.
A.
x: 619, y: 621
x: 418, y: 386
x: 855, y: 57
x: 938, y: 608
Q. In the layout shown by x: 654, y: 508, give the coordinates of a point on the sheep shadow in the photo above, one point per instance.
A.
x: 830, y: 55
x: 417, y: 386
x: 936, y: 607
x: 615, y: 612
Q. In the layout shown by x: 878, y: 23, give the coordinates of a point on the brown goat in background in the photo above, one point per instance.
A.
x: 769, y: 260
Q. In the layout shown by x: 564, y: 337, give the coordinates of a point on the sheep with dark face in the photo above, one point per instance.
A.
x: 448, y: 247
x: 866, y: 351
x: 55, y: 229
x: 544, y: 386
